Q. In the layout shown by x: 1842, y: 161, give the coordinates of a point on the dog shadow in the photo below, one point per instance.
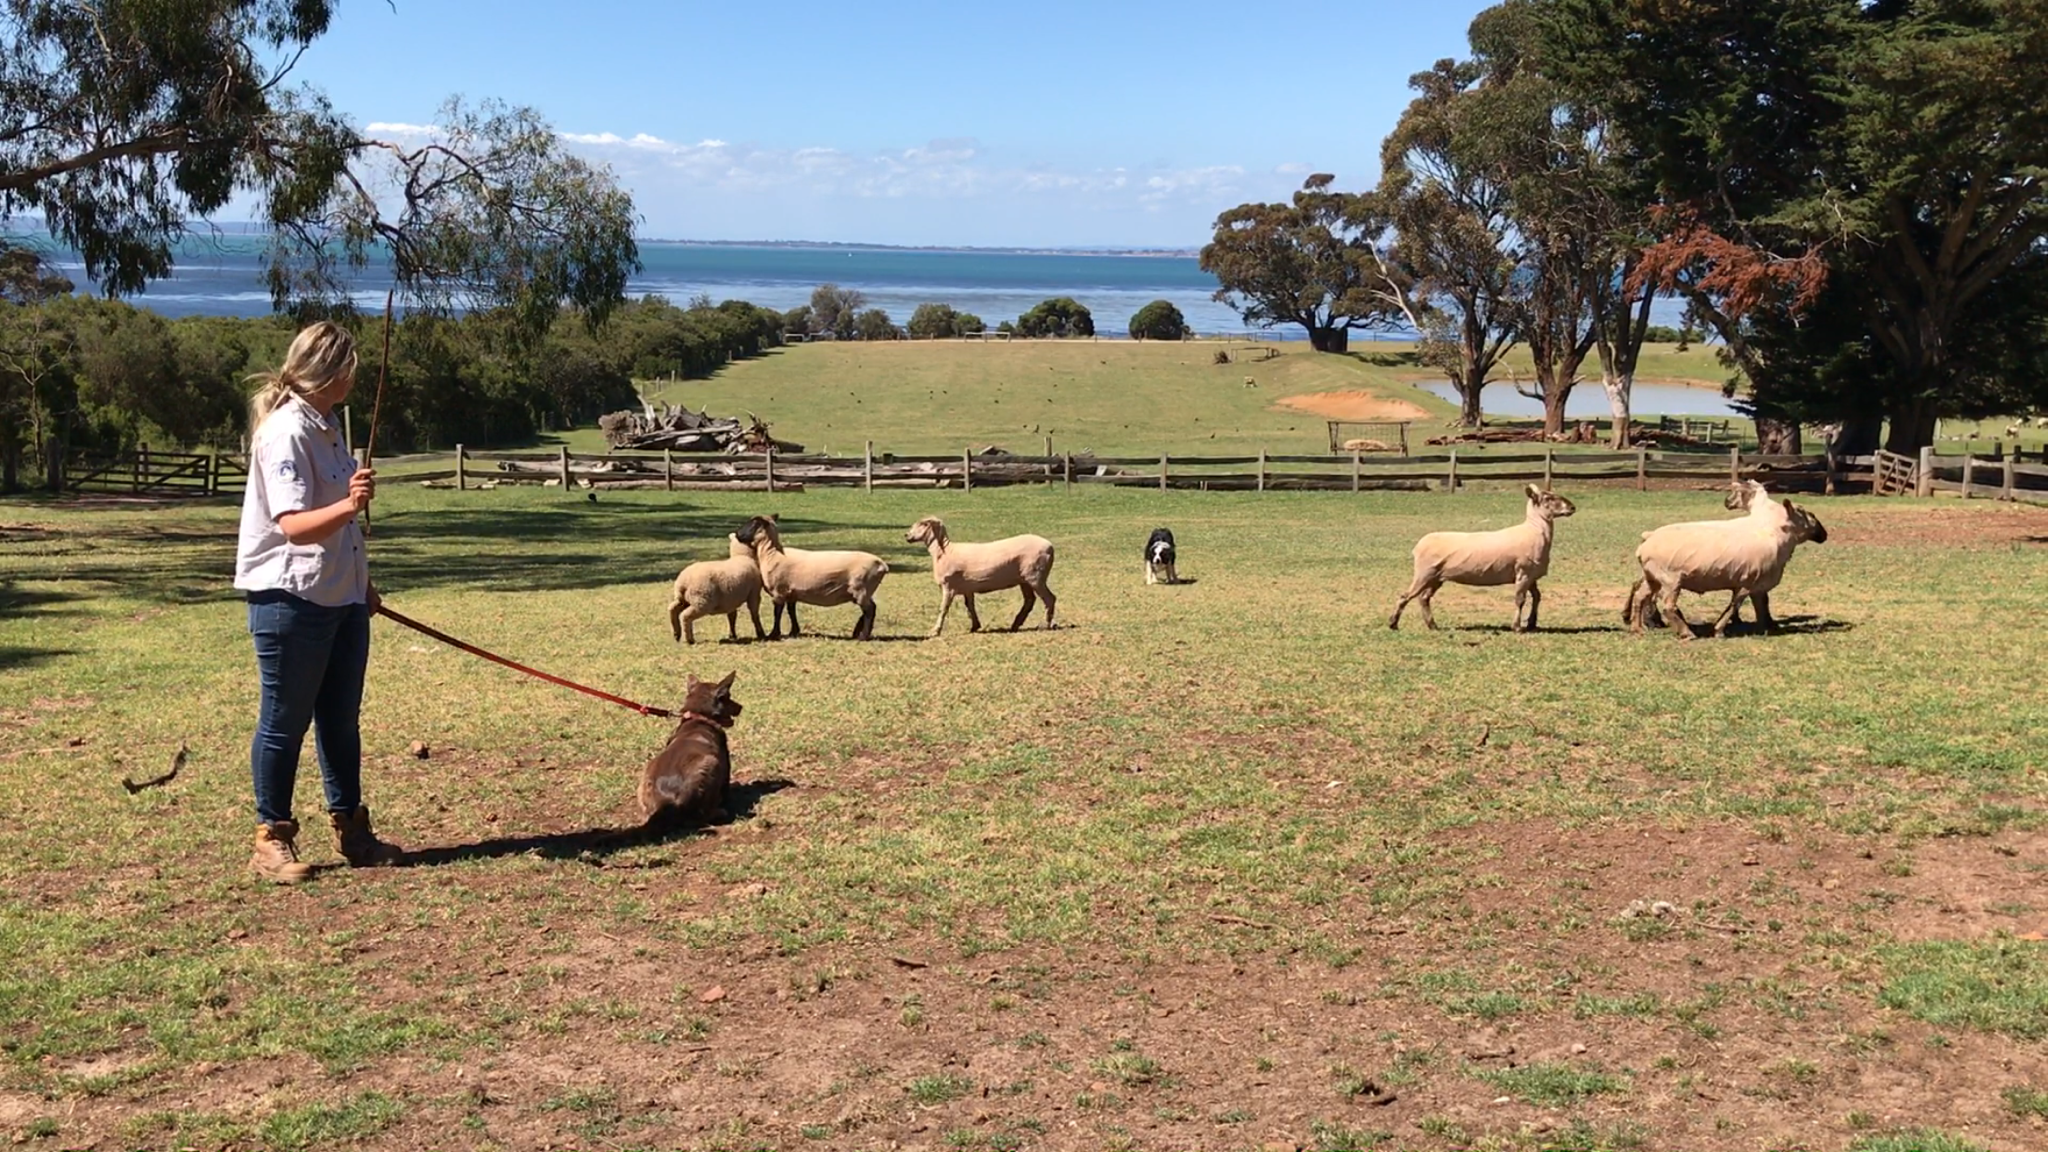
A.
x: 1177, y: 582
x: 591, y: 845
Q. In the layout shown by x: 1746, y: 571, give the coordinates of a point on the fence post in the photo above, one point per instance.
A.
x: 1735, y: 464
x: 1923, y: 480
x: 1068, y: 469
x: 668, y: 469
x: 1833, y: 465
x: 1451, y: 478
x: 768, y: 466
x: 141, y: 462
x: 1969, y: 466
x: 461, y: 468
x: 967, y: 469
x: 565, y: 467
x: 1162, y: 471
x: 2009, y: 474
x: 1548, y: 453
x: 1048, y: 446
x: 1262, y: 469
x: 867, y: 466
x: 1354, y: 469
x: 213, y: 474
x: 1642, y: 468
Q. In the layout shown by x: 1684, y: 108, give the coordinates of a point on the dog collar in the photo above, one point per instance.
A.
x: 705, y: 718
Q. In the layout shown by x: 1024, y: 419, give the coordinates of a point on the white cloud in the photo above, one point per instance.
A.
x: 381, y: 128
x: 1292, y: 170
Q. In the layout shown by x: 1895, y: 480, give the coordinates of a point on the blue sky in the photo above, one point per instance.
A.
x: 1045, y: 124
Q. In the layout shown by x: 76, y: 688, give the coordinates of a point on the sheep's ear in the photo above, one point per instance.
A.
x: 1535, y: 492
x: 725, y: 685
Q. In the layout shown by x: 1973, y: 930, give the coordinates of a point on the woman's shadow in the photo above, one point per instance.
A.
x: 589, y: 843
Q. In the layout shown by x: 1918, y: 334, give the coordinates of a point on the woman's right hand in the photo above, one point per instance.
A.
x: 362, y: 488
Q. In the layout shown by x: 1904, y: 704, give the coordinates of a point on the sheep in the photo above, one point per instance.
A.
x: 1367, y: 446
x: 965, y: 570
x: 793, y: 576
x: 1805, y: 527
x: 1519, y: 555
x: 1740, y: 556
x: 710, y: 587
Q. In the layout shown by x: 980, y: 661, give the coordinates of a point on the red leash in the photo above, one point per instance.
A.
x: 473, y: 650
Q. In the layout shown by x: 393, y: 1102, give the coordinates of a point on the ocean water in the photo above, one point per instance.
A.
x: 221, y: 276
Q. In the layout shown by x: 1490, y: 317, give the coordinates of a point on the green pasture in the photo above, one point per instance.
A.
x: 1247, y: 766
x: 1113, y: 397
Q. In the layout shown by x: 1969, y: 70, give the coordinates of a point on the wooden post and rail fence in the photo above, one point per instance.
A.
x: 2006, y: 476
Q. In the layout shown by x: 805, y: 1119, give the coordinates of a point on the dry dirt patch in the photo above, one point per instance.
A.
x: 1355, y: 404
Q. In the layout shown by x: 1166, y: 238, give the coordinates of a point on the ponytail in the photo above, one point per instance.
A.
x: 321, y: 353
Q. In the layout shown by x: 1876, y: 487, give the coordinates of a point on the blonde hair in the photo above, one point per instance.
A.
x: 320, y: 354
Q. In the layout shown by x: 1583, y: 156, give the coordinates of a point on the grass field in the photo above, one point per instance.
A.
x: 1225, y: 865
x: 1109, y: 396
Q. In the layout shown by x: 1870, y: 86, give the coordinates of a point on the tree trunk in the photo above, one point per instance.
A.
x: 1619, y: 394
x: 1775, y: 437
x: 1468, y: 388
x: 10, y: 466
x: 1554, y: 398
x: 1912, y: 426
x: 1859, y: 436
x: 1329, y: 339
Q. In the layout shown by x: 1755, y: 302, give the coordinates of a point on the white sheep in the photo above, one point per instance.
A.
x: 1519, y: 555
x: 966, y: 570
x: 1741, y: 556
x: 714, y: 587
x: 793, y: 576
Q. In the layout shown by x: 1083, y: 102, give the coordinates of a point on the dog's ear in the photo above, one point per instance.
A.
x: 690, y: 681
x: 725, y: 685
x: 773, y: 517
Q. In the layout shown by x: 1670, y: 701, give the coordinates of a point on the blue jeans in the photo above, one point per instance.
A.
x: 310, y: 661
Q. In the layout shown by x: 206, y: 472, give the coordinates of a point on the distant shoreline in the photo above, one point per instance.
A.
x: 855, y: 246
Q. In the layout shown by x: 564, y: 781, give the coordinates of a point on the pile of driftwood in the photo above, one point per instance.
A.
x: 1584, y: 432
x: 682, y: 430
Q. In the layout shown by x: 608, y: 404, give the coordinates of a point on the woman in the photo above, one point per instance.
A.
x: 301, y: 564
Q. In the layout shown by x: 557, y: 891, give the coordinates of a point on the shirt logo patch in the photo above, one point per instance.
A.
x: 286, y: 470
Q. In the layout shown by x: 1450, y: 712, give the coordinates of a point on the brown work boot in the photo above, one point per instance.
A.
x: 277, y: 856
x: 358, y: 843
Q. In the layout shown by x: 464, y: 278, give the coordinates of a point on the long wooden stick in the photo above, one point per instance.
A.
x: 377, y: 404
x: 383, y: 369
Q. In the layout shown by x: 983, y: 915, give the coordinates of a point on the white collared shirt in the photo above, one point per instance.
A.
x: 298, y: 462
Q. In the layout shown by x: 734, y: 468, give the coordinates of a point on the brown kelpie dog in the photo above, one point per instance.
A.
x: 689, y: 778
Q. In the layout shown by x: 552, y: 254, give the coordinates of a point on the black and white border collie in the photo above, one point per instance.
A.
x: 1159, y: 558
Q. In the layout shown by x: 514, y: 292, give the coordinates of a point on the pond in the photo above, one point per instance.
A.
x: 1589, y: 401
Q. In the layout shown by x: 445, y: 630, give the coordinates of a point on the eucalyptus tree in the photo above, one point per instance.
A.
x: 1455, y: 256
x: 1310, y: 261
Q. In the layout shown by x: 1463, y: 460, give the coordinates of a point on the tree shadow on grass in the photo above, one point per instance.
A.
x: 13, y: 658
x: 592, y: 845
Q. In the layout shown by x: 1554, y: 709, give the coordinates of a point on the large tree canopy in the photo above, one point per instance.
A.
x: 1855, y: 192
x: 122, y: 122
x: 1308, y: 262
